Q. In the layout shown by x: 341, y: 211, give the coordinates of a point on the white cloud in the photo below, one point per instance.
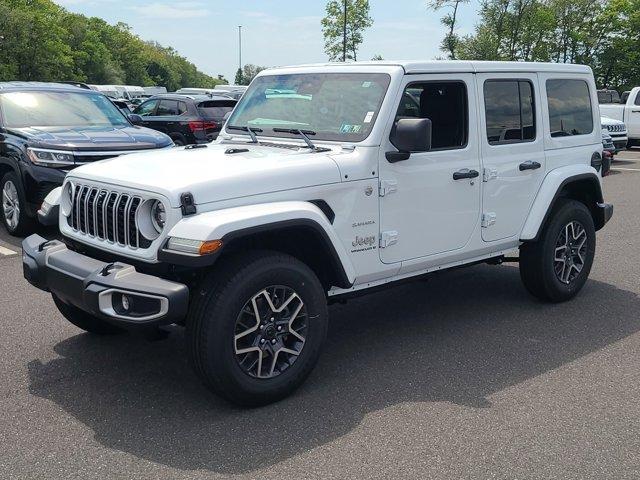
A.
x: 170, y: 11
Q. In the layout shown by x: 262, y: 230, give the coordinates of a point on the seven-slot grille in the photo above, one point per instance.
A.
x: 107, y: 215
x: 616, y: 128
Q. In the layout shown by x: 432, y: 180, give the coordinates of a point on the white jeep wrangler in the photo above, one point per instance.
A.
x: 328, y: 180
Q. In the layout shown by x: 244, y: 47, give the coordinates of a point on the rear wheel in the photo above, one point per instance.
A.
x: 256, y: 327
x: 83, y: 320
x: 556, y: 267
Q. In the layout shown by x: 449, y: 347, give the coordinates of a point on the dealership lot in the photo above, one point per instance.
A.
x: 461, y: 375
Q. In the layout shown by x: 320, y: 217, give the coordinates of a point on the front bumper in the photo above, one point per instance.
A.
x: 602, y: 214
x: 100, y: 288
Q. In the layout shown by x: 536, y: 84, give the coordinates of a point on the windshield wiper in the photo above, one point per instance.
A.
x: 250, y: 130
x: 303, y: 133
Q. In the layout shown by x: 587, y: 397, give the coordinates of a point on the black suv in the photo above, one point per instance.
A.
x: 187, y: 119
x: 47, y: 129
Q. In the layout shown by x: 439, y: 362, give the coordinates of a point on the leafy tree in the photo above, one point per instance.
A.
x: 43, y: 41
x: 451, y: 39
x: 248, y: 72
x: 377, y: 57
x: 343, y: 39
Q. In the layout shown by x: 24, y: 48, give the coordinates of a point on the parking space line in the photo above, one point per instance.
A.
x: 626, y: 169
x: 6, y: 252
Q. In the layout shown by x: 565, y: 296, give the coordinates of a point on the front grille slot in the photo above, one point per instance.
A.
x: 106, y: 215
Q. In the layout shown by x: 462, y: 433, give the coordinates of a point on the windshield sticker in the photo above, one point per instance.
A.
x: 366, y: 84
x: 346, y: 128
x: 368, y: 117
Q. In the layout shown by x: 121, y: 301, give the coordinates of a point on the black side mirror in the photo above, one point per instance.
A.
x: 410, y: 135
x: 135, y: 118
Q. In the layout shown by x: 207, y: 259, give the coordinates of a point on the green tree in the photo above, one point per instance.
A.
x: 451, y: 39
x: 342, y: 39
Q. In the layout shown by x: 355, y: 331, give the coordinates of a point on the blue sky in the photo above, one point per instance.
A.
x: 275, y: 32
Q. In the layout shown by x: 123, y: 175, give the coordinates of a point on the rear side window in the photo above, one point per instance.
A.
x: 510, y: 111
x: 216, y: 109
x: 608, y: 96
x: 168, y: 107
x: 569, y: 107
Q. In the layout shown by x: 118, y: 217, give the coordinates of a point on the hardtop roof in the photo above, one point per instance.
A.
x: 446, y: 66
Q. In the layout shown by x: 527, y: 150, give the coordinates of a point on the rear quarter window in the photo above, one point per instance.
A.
x: 215, y: 109
x: 570, y: 111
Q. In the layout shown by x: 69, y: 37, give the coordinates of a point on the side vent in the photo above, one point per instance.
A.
x: 326, y: 209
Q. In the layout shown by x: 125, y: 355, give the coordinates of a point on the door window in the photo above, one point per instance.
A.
x: 570, y: 110
x: 167, y: 107
x: 509, y: 110
x: 147, y: 108
x: 445, y: 104
x: 182, y: 108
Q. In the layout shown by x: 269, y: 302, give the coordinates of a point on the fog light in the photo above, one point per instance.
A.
x: 126, y: 303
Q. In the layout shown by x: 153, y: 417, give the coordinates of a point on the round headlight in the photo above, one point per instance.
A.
x: 158, y: 216
x: 66, y: 199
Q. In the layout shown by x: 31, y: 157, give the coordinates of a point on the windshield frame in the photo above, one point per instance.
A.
x: 267, y: 131
x: 126, y: 121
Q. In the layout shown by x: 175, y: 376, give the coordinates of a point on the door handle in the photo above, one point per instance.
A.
x: 529, y: 165
x: 635, y: 111
x: 465, y: 173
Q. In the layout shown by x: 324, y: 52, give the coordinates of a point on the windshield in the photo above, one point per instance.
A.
x: 59, y: 109
x: 336, y: 106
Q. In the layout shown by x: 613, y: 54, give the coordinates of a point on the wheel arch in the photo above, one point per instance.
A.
x: 298, y: 228
x: 583, y: 186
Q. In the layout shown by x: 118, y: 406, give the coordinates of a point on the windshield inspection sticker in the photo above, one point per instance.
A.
x: 346, y: 128
x: 366, y: 84
x: 368, y: 117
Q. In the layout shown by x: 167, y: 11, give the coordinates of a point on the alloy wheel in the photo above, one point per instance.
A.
x: 10, y: 204
x: 570, y: 252
x: 270, y: 332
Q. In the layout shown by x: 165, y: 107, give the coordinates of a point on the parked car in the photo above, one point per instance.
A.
x: 608, y: 151
x: 328, y: 193
x: 47, y: 129
x: 618, y: 132
x: 627, y: 112
x: 187, y: 119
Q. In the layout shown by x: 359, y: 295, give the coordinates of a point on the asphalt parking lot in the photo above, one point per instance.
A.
x: 463, y: 375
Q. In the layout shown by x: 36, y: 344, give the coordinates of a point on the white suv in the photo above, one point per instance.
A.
x: 329, y: 180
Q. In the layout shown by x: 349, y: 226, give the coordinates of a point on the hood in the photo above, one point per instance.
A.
x: 93, y: 138
x: 609, y: 121
x: 212, y: 175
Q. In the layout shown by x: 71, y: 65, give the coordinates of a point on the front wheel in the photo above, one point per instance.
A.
x: 256, y: 327
x: 556, y: 267
x: 13, y: 212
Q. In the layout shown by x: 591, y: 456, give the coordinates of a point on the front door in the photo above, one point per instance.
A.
x: 512, y: 150
x: 431, y: 202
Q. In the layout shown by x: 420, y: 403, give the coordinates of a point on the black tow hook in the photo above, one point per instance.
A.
x: 106, y: 271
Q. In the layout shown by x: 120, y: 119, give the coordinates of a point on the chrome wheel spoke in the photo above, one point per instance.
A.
x: 268, y: 338
x: 570, y: 252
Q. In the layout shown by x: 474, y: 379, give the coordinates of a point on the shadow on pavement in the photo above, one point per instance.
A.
x: 458, y: 337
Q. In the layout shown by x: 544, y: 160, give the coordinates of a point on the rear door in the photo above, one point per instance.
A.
x: 512, y: 147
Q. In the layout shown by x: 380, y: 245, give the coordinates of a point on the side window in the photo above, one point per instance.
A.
x: 147, y: 108
x: 167, y: 107
x: 182, y: 108
x: 445, y: 104
x: 637, y: 102
x: 569, y: 107
x: 510, y: 111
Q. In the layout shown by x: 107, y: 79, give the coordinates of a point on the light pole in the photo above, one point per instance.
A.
x: 240, y: 50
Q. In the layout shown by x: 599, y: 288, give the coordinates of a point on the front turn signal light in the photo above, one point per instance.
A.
x: 194, y: 247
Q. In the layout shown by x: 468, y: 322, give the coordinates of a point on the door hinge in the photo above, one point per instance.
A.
x: 489, y: 174
x: 488, y: 219
x: 388, y: 238
x: 386, y: 187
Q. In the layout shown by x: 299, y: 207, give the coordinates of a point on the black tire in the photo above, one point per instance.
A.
x: 83, y: 320
x: 25, y: 224
x: 538, y: 259
x: 178, y: 142
x: 217, y: 305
